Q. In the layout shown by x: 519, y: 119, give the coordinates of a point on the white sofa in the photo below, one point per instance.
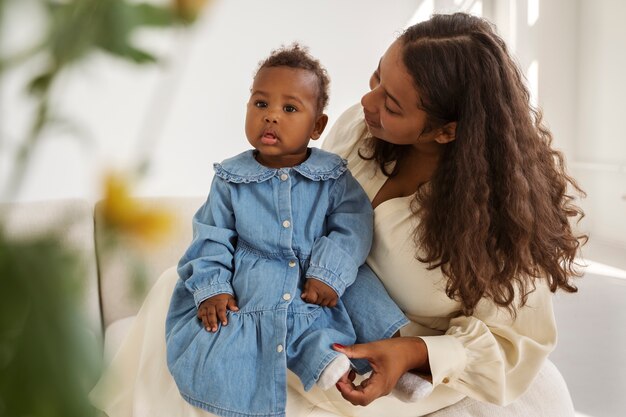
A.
x: 591, y: 353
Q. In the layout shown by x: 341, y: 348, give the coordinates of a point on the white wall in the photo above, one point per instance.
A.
x: 580, y: 48
x: 189, y: 112
x: 600, y: 149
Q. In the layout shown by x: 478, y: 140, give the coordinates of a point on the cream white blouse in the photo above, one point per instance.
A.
x: 490, y: 355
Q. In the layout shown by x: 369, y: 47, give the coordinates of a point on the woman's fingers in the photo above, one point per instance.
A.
x: 358, y: 351
x: 363, y: 394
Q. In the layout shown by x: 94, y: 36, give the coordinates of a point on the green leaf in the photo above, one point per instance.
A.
x: 155, y: 16
x: 139, y: 56
x: 41, y: 83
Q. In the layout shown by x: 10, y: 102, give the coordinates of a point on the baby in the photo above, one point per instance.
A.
x: 281, y: 236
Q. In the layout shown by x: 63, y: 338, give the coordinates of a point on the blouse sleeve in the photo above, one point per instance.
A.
x: 493, y: 356
x: 207, y: 265
x: 346, y: 132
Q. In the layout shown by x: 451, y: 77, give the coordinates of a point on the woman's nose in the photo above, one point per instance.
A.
x: 368, y: 101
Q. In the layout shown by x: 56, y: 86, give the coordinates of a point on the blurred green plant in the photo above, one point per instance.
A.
x: 47, y: 356
x: 47, y: 360
x: 76, y: 28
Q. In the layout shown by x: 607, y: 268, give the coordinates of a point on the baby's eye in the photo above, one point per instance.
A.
x: 260, y: 104
x: 290, y: 109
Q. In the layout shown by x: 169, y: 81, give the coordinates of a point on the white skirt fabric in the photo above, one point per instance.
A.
x: 137, y: 382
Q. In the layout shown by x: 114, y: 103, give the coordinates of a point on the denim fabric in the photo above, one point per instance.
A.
x: 260, y: 233
x: 374, y: 315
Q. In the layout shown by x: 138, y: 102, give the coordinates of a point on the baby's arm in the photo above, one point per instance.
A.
x: 214, y: 308
x: 207, y: 265
x: 336, y: 256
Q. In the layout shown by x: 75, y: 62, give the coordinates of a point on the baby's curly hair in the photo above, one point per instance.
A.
x: 297, y: 56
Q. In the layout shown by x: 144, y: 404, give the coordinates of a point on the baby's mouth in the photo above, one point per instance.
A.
x: 269, y: 138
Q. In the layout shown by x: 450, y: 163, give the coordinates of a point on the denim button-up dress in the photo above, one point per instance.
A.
x: 261, y: 232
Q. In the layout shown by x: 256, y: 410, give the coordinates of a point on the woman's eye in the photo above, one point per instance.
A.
x: 260, y: 104
x: 290, y: 109
x: 388, y: 110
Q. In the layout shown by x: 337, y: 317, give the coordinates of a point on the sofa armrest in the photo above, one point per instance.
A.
x: 115, y: 267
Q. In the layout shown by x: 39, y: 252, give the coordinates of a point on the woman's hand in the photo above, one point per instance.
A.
x: 214, y: 308
x: 389, y: 358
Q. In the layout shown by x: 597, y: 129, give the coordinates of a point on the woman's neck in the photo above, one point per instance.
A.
x: 419, y: 164
x: 413, y: 169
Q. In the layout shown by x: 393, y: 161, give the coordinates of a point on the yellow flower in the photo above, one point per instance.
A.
x: 126, y: 215
x: 189, y: 10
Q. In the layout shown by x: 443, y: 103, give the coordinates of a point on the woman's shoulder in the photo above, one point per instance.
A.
x: 346, y: 132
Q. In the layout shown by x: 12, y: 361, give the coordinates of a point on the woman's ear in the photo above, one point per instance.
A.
x: 320, y: 125
x: 447, y: 133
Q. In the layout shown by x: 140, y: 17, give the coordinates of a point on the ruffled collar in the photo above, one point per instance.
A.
x: 319, y: 166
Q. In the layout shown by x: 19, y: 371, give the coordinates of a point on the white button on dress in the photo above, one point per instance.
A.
x: 286, y: 224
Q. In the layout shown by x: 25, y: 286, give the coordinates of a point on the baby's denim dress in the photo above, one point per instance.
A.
x: 261, y: 232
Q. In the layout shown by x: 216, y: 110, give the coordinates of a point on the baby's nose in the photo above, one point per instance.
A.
x: 271, y: 118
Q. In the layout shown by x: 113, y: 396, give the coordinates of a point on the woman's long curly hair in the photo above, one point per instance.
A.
x: 496, y: 215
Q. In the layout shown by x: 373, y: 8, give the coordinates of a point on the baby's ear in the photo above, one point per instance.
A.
x: 320, y: 125
x: 447, y: 133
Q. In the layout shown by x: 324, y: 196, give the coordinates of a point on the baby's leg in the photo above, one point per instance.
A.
x: 376, y: 316
x: 309, y: 349
x: 334, y: 371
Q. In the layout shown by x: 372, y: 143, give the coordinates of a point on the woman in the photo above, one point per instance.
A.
x: 472, y: 236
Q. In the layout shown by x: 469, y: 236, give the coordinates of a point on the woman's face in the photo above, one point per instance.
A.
x: 391, y: 108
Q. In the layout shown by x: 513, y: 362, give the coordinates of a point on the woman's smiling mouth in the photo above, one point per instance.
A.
x: 371, y: 122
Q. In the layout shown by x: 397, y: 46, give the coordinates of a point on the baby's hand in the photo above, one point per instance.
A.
x: 214, y: 308
x: 316, y: 292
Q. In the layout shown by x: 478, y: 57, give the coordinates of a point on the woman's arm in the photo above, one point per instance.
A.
x: 491, y: 356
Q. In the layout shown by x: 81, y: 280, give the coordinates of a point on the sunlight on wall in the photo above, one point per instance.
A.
x: 423, y: 12
x: 533, y: 12
x: 477, y: 8
x: 532, y: 75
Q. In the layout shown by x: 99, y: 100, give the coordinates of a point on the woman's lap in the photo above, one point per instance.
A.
x: 138, y: 383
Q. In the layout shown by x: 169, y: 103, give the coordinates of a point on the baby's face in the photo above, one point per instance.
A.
x: 282, y: 115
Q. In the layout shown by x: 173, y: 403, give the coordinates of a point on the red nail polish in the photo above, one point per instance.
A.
x: 338, y: 346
